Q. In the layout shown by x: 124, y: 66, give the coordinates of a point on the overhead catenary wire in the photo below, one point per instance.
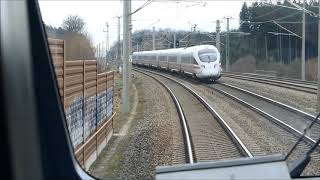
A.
x: 304, y: 9
x: 295, y: 22
x: 152, y: 24
x: 296, y: 7
x: 275, y: 22
x: 272, y: 20
x: 148, y: 2
x: 277, y: 33
x: 286, y: 29
x: 267, y: 13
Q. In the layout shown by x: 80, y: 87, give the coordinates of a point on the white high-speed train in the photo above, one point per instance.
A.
x: 201, y: 61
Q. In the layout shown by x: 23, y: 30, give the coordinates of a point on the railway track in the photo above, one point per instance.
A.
x: 210, y: 136
x: 299, y: 81
x: 296, y: 119
x: 304, y: 86
x: 293, y: 121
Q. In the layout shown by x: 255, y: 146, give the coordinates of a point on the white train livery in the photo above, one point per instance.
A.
x: 201, y: 61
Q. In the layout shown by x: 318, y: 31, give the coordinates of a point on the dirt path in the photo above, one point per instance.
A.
x: 99, y: 169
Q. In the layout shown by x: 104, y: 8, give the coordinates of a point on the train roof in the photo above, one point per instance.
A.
x: 176, y: 51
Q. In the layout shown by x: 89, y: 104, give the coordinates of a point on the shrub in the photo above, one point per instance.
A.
x: 246, y: 64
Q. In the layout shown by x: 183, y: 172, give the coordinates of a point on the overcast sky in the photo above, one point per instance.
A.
x: 173, y: 15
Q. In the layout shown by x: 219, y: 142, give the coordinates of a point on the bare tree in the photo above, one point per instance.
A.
x: 73, y: 23
x: 77, y: 47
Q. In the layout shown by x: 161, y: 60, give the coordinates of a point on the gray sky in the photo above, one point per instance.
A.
x: 171, y: 15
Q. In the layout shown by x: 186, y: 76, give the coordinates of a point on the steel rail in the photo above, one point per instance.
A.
x: 308, y: 116
x: 265, y: 76
x: 280, y: 83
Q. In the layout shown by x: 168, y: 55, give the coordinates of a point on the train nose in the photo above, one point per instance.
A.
x: 214, y: 67
x: 212, y: 70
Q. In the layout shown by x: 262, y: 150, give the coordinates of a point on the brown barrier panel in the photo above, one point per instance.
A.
x: 74, y: 102
x: 90, y: 106
x: 90, y: 91
x: 110, y: 79
x: 80, y: 157
x: 110, y: 99
x: 87, y: 98
x: 102, y: 80
x: 100, y: 136
x: 57, y: 52
x: 102, y: 99
x: 73, y: 81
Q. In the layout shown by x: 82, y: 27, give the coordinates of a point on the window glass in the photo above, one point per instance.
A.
x: 194, y: 61
x: 87, y: 39
x: 172, y: 58
x: 152, y: 58
x: 185, y: 59
x: 207, y: 55
x: 162, y: 58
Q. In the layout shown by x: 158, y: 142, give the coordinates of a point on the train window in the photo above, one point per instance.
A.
x: 153, y: 58
x: 207, y: 55
x: 172, y: 58
x: 162, y: 58
x: 134, y: 57
x: 185, y: 59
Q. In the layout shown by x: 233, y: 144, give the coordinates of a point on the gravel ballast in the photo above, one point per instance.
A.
x: 154, y: 139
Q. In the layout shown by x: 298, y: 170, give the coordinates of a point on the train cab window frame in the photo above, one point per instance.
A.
x: 37, y: 144
x: 194, y: 61
x: 207, y: 55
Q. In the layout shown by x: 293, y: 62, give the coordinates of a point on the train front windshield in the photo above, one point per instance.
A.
x: 122, y: 120
x: 207, y: 55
